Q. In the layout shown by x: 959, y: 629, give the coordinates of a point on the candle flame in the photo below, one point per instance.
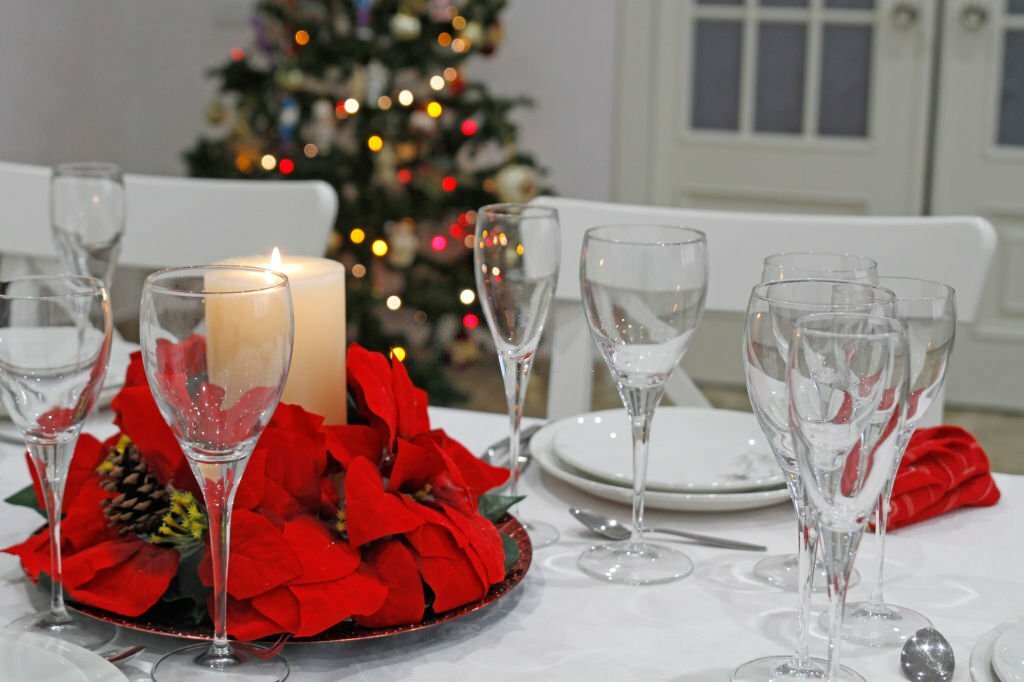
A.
x: 275, y: 259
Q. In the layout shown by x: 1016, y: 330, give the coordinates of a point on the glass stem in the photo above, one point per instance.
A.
x: 219, y: 482
x: 515, y: 371
x: 877, y: 600
x: 51, y: 462
x: 838, y: 550
x: 807, y: 544
x: 640, y: 404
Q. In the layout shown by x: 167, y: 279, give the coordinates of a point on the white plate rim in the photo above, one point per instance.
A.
x: 980, y: 666
x: 596, y: 472
x: 92, y: 665
x: 541, y: 447
x: 1003, y: 629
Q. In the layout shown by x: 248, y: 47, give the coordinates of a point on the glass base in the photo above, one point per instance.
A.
x: 198, y: 662
x: 74, y: 629
x: 781, y: 669
x: 541, y: 534
x: 879, y: 624
x: 783, y: 571
x: 640, y: 564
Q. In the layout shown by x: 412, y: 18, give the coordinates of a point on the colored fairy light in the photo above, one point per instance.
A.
x: 393, y: 302
x: 456, y: 231
x: 439, y: 243
x: 434, y: 109
x: 405, y: 98
x: 310, y: 150
x: 379, y: 247
x: 459, y: 23
x: 444, y: 39
x: 468, y: 241
x: 398, y: 353
x: 459, y: 45
x: 357, y: 235
x: 301, y: 37
x: 451, y: 73
x: 351, y: 105
x: 287, y: 166
x: 469, y: 127
x: 237, y: 54
x: 437, y: 82
x: 358, y: 270
x: 375, y: 143
x: 384, y: 102
x: 268, y: 162
x: 243, y: 163
x: 470, y: 321
x: 404, y: 176
x: 467, y: 296
x: 449, y: 184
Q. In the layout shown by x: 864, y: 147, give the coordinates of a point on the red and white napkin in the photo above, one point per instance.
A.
x: 944, y: 468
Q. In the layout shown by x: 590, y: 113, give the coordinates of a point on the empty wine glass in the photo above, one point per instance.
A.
x: 847, y: 389
x: 54, y: 346
x: 516, y: 258
x: 819, y: 265
x: 772, y: 312
x: 928, y: 309
x: 783, y: 570
x: 643, y: 289
x: 87, y: 209
x: 216, y: 345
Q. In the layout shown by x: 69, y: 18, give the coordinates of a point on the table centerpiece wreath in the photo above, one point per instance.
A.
x: 375, y: 526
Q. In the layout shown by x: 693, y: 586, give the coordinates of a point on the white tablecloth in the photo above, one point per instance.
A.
x: 965, y: 570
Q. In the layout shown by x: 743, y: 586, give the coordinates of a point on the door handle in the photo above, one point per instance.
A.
x: 905, y: 14
x: 973, y: 16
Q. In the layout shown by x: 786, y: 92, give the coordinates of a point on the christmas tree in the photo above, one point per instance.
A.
x: 369, y: 95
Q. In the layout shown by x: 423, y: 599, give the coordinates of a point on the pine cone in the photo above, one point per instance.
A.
x: 142, y: 501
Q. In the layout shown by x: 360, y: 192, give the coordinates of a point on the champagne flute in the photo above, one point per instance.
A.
x: 87, y: 209
x: 783, y: 570
x: 928, y: 309
x: 643, y: 290
x: 819, y: 265
x: 216, y: 345
x: 847, y: 383
x: 516, y: 258
x: 54, y: 346
x: 771, y: 315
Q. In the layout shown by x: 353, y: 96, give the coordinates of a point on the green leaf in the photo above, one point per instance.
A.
x: 511, y: 551
x: 26, y: 497
x: 185, y: 599
x: 493, y: 507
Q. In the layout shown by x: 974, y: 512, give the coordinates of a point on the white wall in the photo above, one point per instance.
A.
x: 124, y: 80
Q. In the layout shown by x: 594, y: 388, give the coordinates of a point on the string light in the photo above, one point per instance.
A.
x: 357, y: 235
x: 404, y: 176
x: 301, y: 37
x: 358, y: 270
x: 393, y: 302
x: 375, y: 143
x: 439, y: 243
x: 268, y: 162
x: 310, y: 150
x: 237, y: 54
x: 470, y: 321
x: 467, y: 296
x: 405, y: 98
x: 243, y: 163
x: 434, y: 109
x: 437, y: 82
x: 449, y: 184
x: 456, y: 231
x: 451, y: 73
x: 459, y: 45
x: 379, y: 247
x: 339, y: 110
x: 459, y: 23
x: 444, y: 39
x: 519, y: 249
x: 468, y: 241
x: 469, y: 127
x: 384, y: 102
x: 287, y: 166
x: 398, y: 353
x: 351, y: 105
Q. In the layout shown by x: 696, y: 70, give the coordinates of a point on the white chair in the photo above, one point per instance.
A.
x: 178, y: 221
x: 955, y: 250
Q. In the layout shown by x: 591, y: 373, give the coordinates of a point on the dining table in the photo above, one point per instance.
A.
x: 965, y: 570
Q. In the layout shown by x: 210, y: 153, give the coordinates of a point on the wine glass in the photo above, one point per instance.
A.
x: 516, y: 258
x: 643, y: 289
x: 772, y: 312
x: 928, y: 309
x: 216, y: 345
x: 819, y: 265
x: 847, y: 382
x: 55, y: 336
x: 783, y: 570
x: 87, y: 209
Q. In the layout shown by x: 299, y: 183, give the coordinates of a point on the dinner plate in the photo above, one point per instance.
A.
x: 981, y: 655
x: 1008, y: 653
x: 28, y: 657
x: 692, y: 449
x: 542, y: 447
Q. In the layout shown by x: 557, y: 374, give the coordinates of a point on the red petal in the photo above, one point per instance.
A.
x: 478, y: 475
x: 124, y: 576
x: 260, y: 559
x: 415, y: 466
x: 136, y: 374
x: 370, y: 512
x: 411, y: 403
x: 139, y: 417
x: 484, y: 540
x: 348, y: 442
x: 325, y: 604
x: 369, y: 380
x: 280, y: 606
x: 445, y: 568
x: 323, y: 555
x: 245, y: 622
x: 34, y: 553
x: 395, y: 567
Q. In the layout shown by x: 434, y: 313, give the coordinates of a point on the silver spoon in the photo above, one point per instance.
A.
x: 497, y: 453
x: 616, y: 530
x: 927, y: 657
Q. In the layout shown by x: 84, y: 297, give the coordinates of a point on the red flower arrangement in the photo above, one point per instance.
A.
x: 376, y: 522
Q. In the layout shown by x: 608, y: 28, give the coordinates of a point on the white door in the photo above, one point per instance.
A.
x: 979, y: 169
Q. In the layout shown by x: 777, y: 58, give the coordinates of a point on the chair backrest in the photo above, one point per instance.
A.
x: 956, y: 250
x: 181, y: 221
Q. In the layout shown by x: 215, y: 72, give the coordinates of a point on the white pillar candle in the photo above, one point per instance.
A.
x: 316, y: 380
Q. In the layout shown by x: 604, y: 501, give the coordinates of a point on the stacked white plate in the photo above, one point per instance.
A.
x: 700, y: 459
x: 34, y: 658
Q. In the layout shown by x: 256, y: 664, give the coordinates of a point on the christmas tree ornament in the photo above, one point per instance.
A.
x: 356, y: 87
x: 320, y: 130
x: 376, y: 80
x: 405, y: 27
x: 364, y: 19
x: 422, y: 122
x: 404, y: 243
x: 288, y: 119
x: 516, y: 183
x: 476, y: 157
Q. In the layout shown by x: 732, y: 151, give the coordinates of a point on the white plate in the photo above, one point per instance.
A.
x: 981, y: 655
x: 29, y: 657
x: 692, y: 449
x: 542, y: 447
x: 1008, y: 654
